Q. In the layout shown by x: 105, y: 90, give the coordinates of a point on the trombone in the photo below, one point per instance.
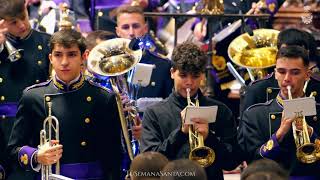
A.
x: 50, y: 124
x: 306, y: 151
x: 200, y: 153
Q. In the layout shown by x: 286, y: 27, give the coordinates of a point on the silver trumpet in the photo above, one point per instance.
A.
x: 50, y: 124
x: 14, y: 54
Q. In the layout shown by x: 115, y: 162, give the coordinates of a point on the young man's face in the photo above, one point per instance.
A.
x: 19, y: 26
x: 67, y: 62
x: 182, y: 81
x: 291, y: 72
x: 131, y: 25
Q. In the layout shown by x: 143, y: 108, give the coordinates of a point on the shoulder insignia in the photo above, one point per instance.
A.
x: 159, y: 55
x: 98, y: 85
x: 260, y: 104
x: 266, y: 77
x: 38, y: 85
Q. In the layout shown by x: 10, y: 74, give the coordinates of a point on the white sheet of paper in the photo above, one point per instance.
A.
x: 141, y: 74
x: 208, y: 113
x: 306, y: 105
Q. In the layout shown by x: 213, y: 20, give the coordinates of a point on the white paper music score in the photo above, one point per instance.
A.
x: 306, y: 106
x: 141, y: 74
x: 208, y: 113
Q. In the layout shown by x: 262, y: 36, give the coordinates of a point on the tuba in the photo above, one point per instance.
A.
x: 255, y: 52
x: 200, y: 153
x: 14, y: 54
x: 113, y: 58
x: 306, y: 151
x: 50, y: 124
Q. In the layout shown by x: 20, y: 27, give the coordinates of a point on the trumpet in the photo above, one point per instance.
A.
x: 50, y: 124
x: 200, y: 153
x: 14, y: 54
x: 306, y: 151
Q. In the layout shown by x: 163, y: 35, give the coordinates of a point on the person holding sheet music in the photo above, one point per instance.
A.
x: 162, y: 125
x: 265, y: 131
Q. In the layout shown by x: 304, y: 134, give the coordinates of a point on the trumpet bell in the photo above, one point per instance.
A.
x: 112, y: 58
x: 255, y: 52
x: 203, y: 155
x: 307, y: 153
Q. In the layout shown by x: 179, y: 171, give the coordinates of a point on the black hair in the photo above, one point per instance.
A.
x: 188, y: 58
x: 294, y: 51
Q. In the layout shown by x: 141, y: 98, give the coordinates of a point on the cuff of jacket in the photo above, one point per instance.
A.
x: 271, y: 148
x: 25, y: 155
x: 2, y: 173
x: 272, y: 6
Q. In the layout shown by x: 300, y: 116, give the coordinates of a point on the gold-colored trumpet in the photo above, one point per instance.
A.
x: 306, y: 151
x: 200, y: 153
x: 50, y: 124
x: 65, y: 20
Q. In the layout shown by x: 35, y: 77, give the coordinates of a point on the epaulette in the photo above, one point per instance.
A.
x: 98, y: 85
x: 46, y: 83
x: 265, y: 78
x: 260, y: 104
x: 159, y: 55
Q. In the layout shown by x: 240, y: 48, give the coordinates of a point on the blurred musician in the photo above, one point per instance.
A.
x: 87, y: 115
x: 28, y: 65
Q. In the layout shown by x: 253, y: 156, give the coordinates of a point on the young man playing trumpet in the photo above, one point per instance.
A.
x: 266, y: 132
x: 87, y: 115
x: 162, y: 127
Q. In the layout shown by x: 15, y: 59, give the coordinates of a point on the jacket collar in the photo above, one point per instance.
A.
x: 74, y: 84
x: 182, y: 101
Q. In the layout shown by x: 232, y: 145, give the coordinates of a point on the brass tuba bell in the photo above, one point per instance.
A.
x: 113, y: 58
x: 255, y: 52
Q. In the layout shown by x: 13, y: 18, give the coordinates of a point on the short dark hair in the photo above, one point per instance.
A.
x: 298, y: 37
x: 189, y: 58
x: 130, y: 10
x: 150, y: 163
x: 98, y: 34
x: 191, y: 170
x: 12, y: 9
x: 294, y: 51
x: 264, y: 169
x: 67, y: 38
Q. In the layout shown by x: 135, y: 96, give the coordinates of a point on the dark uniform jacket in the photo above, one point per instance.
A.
x: 257, y: 137
x: 32, y: 68
x: 162, y: 133
x: 266, y: 89
x: 89, y: 128
x: 160, y: 83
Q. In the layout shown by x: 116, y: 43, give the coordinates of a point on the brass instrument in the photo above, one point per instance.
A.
x: 50, y: 124
x: 306, y: 151
x: 200, y: 153
x: 65, y: 20
x: 14, y: 54
x: 255, y: 52
x: 113, y: 58
x: 212, y: 7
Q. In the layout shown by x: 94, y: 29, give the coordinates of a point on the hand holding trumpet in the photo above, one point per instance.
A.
x: 49, y: 154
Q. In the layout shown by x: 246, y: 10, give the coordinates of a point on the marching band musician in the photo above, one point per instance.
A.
x: 30, y: 66
x: 265, y: 132
x: 87, y: 114
x: 163, y: 130
x: 131, y: 24
x: 268, y: 88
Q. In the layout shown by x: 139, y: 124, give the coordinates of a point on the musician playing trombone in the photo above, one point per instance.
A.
x: 163, y: 129
x: 266, y: 132
x: 87, y: 115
